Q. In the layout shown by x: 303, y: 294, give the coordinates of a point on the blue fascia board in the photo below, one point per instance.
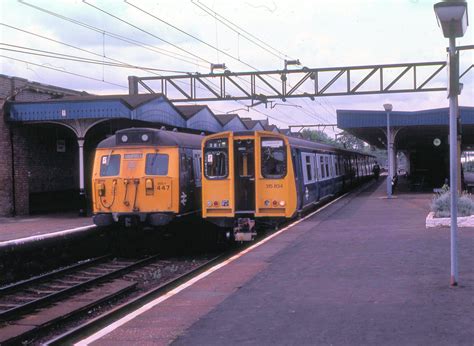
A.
x: 44, y: 111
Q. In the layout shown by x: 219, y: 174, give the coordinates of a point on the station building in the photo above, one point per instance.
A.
x: 48, y: 136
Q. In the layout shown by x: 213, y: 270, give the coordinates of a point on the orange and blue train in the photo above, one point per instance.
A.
x: 268, y: 177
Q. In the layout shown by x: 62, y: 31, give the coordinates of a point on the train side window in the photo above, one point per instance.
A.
x: 326, y: 165
x: 273, y: 158
x: 308, y: 168
x: 109, y: 165
x: 323, y: 168
x: 316, y: 172
x: 216, y: 164
x: 156, y: 164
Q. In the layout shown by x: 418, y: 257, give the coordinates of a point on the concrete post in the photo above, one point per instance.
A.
x: 453, y: 169
x: 389, y: 157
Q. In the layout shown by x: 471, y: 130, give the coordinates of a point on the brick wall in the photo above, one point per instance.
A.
x: 6, y: 192
x: 28, y: 155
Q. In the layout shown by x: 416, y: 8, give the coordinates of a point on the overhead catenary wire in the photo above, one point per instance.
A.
x: 146, y: 31
x: 229, y: 24
x: 55, y: 55
x: 101, y: 31
x: 64, y: 71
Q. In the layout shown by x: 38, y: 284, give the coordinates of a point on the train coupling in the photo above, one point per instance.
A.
x: 244, y: 229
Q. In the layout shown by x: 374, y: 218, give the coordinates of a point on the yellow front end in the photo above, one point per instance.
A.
x: 120, y: 184
x: 274, y: 196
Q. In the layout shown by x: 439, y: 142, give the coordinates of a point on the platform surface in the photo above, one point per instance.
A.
x: 12, y: 228
x: 364, y: 271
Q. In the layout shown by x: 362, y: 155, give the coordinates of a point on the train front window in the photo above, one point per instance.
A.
x: 156, y: 164
x: 216, y: 165
x: 273, y: 158
x: 109, y: 165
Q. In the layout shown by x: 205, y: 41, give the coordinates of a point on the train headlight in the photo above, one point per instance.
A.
x: 216, y: 204
x: 144, y: 137
x: 209, y: 203
x: 267, y: 203
x: 225, y: 203
x: 275, y: 203
x: 101, y: 189
x: 124, y: 138
x: 282, y: 203
x: 149, y: 186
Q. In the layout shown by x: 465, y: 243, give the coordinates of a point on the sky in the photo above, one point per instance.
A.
x: 318, y: 33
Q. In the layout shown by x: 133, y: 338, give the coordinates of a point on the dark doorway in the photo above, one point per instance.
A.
x: 244, y: 153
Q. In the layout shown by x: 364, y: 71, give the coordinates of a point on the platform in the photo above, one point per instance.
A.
x: 364, y: 271
x: 30, y: 228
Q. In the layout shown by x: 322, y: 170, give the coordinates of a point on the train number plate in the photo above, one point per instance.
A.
x: 274, y: 186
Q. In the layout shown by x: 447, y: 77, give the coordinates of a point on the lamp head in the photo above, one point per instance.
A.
x: 388, y: 107
x: 452, y: 17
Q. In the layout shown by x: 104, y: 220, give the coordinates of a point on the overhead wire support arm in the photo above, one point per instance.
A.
x: 307, y: 82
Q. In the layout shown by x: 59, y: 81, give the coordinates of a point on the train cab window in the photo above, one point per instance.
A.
x: 109, y: 165
x: 273, y: 158
x: 156, y: 164
x: 216, y: 164
x: 216, y: 159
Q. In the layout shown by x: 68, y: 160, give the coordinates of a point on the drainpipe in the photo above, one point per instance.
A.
x: 13, y: 212
x: 82, y: 191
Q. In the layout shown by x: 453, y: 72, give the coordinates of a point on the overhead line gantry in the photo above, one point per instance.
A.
x: 317, y: 82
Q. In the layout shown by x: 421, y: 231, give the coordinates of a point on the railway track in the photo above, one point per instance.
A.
x: 30, y: 306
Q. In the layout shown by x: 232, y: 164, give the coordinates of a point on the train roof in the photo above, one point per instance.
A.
x: 304, y: 143
x: 155, y: 137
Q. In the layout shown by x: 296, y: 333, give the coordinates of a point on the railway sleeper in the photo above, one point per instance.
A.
x: 20, y: 330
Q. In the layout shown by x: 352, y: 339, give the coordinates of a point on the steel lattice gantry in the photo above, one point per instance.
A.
x: 261, y: 86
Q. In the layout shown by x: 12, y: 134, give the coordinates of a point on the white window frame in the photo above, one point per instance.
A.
x: 305, y: 171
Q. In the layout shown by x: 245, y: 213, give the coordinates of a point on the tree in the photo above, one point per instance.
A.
x: 318, y: 136
x: 351, y: 142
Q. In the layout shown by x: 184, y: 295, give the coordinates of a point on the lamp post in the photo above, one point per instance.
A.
x: 452, y: 17
x: 388, y: 108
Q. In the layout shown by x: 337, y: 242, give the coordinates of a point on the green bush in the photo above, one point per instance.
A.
x: 441, y: 205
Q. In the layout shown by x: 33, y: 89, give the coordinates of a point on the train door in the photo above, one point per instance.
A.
x: 244, y: 158
x: 299, y: 181
x: 187, y: 194
x: 197, y: 165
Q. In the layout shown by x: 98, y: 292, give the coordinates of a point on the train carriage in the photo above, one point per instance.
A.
x: 264, y: 176
x: 146, y: 176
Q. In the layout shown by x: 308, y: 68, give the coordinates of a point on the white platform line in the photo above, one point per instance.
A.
x: 111, y: 327
x: 39, y: 237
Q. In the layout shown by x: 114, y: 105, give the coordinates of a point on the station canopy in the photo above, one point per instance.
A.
x: 417, y: 129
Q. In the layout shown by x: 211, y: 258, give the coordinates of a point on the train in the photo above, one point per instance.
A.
x: 266, y: 177
x: 235, y: 180
x: 146, y: 176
